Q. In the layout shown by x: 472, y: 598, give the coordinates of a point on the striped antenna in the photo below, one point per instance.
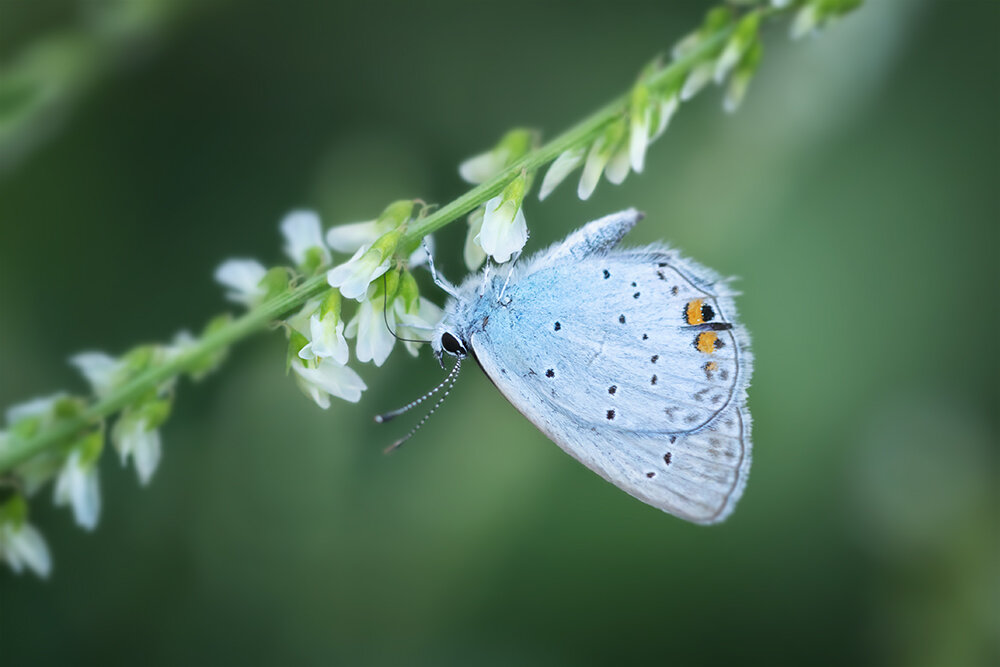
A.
x: 447, y: 383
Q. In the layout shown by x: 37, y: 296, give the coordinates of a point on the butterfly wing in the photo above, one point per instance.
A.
x: 633, y: 363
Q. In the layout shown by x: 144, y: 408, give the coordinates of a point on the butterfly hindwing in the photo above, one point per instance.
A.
x: 633, y: 363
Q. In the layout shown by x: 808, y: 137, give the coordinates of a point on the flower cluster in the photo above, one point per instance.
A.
x: 498, y: 228
x: 73, y: 467
x: 376, y: 276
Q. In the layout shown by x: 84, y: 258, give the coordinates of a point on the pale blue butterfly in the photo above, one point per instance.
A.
x: 631, y: 360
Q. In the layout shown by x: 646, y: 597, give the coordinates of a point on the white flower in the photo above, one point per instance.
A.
x: 617, y: 168
x: 597, y: 159
x: 77, y: 486
x: 21, y: 545
x: 511, y: 147
x: 371, y: 326
x: 328, y: 378
x: 243, y: 277
x: 743, y: 38
x: 805, y: 22
x: 639, y: 138
x: 504, y: 231
x: 36, y: 407
x: 473, y: 253
x: 481, y: 168
x: 354, y: 276
x: 303, y: 235
x: 735, y: 92
x: 350, y: 237
x: 326, y: 339
x: 697, y: 78
x: 133, y: 438
x: 727, y: 61
x: 665, y: 111
x: 563, y: 166
x: 183, y: 341
x: 419, y: 324
x: 101, y: 370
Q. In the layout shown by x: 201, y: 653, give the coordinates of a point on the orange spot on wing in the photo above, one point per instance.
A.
x: 706, y: 342
x: 694, y: 312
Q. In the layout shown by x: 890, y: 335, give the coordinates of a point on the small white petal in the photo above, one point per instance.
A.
x: 665, y: 112
x: 318, y: 396
x: 372, y: 327
x: 473, y: 253
x: 302, y: 233
x: 355, y: 275
x: 697, y: 78
x: 78, y: 487
x: 727, y: 61
x: 331, y: 378
x: 36, y: 407
x: 805, y: 21
x: 481, y: 168
x: 735, y: 92
x: 686, y: 45
x: 350, y: 237
x: 326, y: 340
x: 133, y: 439
x: 24, y: 546
x: 639, y: 140
x: 618, y: 165
x: 148, y: 451
x: 243, y: 277
x: 504, y: 231
x: 563, y: 166
x: 100, y: 369
x: 597, y: 158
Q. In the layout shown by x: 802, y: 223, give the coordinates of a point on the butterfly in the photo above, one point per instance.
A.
x: 631, y: 360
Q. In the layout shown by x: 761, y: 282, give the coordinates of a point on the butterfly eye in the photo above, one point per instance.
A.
x: 451, y: 345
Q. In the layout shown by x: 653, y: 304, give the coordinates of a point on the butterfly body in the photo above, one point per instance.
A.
x: 631, y: 360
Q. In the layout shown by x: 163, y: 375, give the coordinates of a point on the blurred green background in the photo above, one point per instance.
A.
x: 856, y: 194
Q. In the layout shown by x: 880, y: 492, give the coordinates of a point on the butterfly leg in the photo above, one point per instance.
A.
x: 439, y: 280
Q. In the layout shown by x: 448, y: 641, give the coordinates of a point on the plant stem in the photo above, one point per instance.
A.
x: 580, y: 134
x: 19, y: 450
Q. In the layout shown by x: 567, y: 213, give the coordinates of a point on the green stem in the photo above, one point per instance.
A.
x: 580, y: 134
x: 19, y: 450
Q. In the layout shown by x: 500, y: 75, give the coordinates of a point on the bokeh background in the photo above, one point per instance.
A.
x: 856, y: 194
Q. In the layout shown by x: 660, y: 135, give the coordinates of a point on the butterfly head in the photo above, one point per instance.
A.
x: 447, y: 341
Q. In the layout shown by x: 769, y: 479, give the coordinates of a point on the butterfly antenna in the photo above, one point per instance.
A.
x: 447, y: 383
x: 385, y: 317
